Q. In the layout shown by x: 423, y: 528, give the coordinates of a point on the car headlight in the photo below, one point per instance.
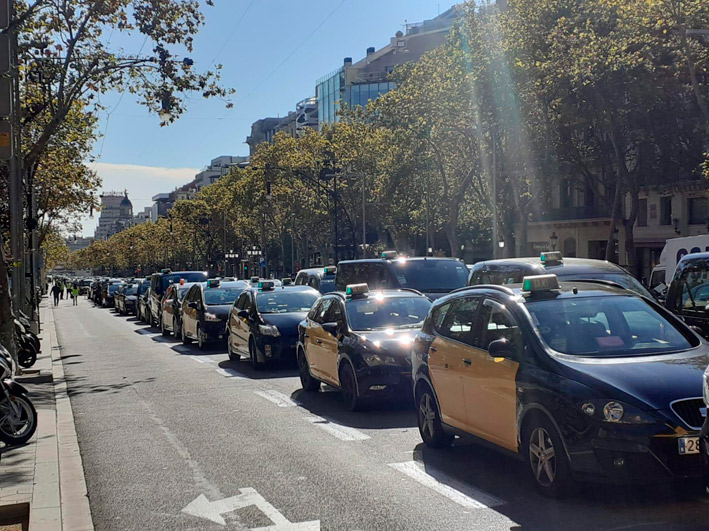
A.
x: 211, y: 317
x: 705, y: 389
x: 269, y: 330
x: 615, y: 412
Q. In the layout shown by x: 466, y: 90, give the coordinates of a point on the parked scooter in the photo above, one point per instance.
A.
x: 18, y: 417
x: 25, y: 320
x: 26, y: 346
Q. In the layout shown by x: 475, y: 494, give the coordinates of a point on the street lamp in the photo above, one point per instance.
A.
x: 554, y: 238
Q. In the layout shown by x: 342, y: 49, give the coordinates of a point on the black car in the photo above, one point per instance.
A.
x: 126, y: 299
x: 434, y: 277
x: 319, y: 278
x: 109, y: 292
x: 583, y: 381
x: 263, y: 324
x: 205, y: 310
x: 513, y: 270
x: 360, y: 342
x: 688, y: 294
x: 159, y: 283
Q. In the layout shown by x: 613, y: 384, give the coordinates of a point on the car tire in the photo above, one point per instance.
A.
x: 176, y: 329
x: 348, y: 387
x: 307, y: 381
x: 232, y: 355
x: 201, y: 342
x: 429, y: 420
x: 185, y: 340
x: 544, y: 453
x: 163, y: 330
x: 255, y: 363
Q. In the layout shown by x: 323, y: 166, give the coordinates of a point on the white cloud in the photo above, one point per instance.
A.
x: 141, y: 182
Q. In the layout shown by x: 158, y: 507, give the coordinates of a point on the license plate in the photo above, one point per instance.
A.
x: 688, y: 445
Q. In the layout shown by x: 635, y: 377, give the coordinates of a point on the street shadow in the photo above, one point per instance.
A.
x: 269, y: 372
x: 477, y: 471
x: 78, y: 386
x: 387, y: 414
x: 69, y: 356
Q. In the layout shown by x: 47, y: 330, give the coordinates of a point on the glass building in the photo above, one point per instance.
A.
x: 330, y: 92
x: 361, y: 94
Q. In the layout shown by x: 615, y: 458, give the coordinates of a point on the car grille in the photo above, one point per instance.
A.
x: 690, y: 411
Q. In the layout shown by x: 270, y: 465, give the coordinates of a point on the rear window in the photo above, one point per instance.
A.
x: 501, y: 275
x: 327, y: 285
x: 372, y: 273
x: 132, y: 290
x: 188, y: 277
x: 613, y: 326
x: 432, y: 276
x: 623, y: 279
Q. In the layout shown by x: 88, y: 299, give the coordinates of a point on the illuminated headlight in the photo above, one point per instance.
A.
x: 211, y: 317
x: 269, y: 330
x: 705, y: 389
x: 613, y: 412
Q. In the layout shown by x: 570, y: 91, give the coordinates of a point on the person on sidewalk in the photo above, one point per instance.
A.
x: 61, y: 290
x: 75, y: 293
x: 55, y: 293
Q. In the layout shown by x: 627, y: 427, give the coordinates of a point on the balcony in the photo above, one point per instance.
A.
x: 571, y: 214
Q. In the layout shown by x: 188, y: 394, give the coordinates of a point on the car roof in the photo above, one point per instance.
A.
x: 694, y: 256
x: 316, y: 270
x: 567, y: 266
x: 388, y: 293
x: 227, y: 284
x: 290, y: 287
x: 392, y: 260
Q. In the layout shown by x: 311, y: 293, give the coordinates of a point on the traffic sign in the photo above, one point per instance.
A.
x: 262, y: 263
x: 5, y: 97
x: 5, y: 140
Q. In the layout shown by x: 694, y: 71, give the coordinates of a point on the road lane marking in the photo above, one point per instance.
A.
x: 198, y: 360
x: 201, y: 507
x: 344, y: 433
x: 280, y: 399
x: 230, y: 373
x: 456, y: 491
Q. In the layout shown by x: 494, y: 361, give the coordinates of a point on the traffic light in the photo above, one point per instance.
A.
x: 246, y: 270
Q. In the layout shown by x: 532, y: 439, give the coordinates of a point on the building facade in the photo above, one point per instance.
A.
x: 116, y: 214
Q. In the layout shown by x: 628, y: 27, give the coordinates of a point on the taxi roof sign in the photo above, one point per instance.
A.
x: 254, y: 280
x: 213, y: 283
x: 330, y: 270
x: 357, y: 290
x: 266, y: 285
x: 389, y: 255
x: 540, y: 283
x: 551, y: 257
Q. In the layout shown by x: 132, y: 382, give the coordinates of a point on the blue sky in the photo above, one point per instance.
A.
x: 272, y: 57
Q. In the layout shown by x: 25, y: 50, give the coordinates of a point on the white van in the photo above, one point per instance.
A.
x: 673, y: 252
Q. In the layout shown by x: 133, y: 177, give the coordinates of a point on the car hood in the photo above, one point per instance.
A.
x: 220, y: 310
x: 287, y: 323
x: 395, y: 343
x: 654, y: 381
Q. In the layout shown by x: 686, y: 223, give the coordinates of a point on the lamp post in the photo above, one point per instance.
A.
x: 231, y: 255
x: 554, y: 239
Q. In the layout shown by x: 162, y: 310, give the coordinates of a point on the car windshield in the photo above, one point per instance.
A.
x: 327, y: 285
x: 285, y: 301
x: 218, y: 296
x: 131, y: 290
x: 606, y: 326
x: 181, y: 292
x: 113, y: 288
x: 143, y: 288
x: 623, y: 279
x: 379, y: 312
x: 435, y: 276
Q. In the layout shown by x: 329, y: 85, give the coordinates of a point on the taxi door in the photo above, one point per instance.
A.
x: 491, y: 383
x: 167, y: 306
x: 189, y: 315
x: 315, y: 338
x: 445, y: 360
x: 240, y: 325
x: 329, y: 352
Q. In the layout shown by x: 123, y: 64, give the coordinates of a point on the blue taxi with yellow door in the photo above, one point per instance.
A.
x: 583, y: 380
x: 360, y: 342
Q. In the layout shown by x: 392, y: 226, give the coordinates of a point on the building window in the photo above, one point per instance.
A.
x: 666, y: 210
x: 565, y: 193
x: 642, y: 213
x: 698, y: 210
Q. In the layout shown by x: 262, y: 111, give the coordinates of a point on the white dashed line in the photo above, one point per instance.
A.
x: 230, y: 373
x: 198, y: 360
x: 344, y: 433
x: 456, y: 491
x: 280, y: 399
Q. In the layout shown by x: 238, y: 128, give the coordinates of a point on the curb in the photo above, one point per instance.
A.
x: 75, y: 509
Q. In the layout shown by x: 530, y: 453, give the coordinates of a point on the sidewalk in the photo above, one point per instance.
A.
x: 46, y: 476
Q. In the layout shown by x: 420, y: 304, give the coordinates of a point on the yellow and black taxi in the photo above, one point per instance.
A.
x: 263, y: 323
x: 360, y: 342
x: 205, y: 310
x: 319, y: 278
x: 170, y: 319
x: 584, y: 380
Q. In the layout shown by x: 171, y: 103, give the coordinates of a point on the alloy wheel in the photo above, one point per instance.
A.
x: 542, y: 457
x: 427, y: 415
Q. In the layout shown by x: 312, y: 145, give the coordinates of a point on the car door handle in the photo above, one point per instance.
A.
x: 467, y: 362
x: 433, y: 349
x: 318, y: 341
x: 306, y: 335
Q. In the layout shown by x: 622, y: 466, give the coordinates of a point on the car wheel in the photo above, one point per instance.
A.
x: 255, y: 363
x: 544, y: 451
x: 232, y: 355
x: 307, y: 381
x: 201, y: 343
x: 429, y: 420
x: 348, y: 386
x: 163, y: 330
x: 185, y: 340
x: 176, y: 329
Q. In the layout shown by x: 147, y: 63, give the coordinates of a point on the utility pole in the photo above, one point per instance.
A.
x: 364, y: 218
x: 493, y: 187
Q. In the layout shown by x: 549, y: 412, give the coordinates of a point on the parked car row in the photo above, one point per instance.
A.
x: 568, y: 365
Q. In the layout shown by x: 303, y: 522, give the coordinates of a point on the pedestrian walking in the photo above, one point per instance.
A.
x: 75, y: 293
x: 55, y: 294
x: 61, y: 290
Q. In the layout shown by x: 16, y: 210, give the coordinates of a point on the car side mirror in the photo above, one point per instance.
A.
x: 243, y: 314
x: 330, y: 328
x: 501, y: 348
x: 194, y: 305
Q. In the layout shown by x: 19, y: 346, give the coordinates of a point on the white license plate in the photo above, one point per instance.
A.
x: 688, y: 445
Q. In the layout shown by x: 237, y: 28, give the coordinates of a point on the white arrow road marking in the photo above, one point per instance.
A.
x: 454, y: 490
x: 201, y: 507
x: 344, y: 433
x: 277, y: 398
x: 230, y: 373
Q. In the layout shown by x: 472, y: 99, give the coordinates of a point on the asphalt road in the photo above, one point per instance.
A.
x: 175, y: 438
